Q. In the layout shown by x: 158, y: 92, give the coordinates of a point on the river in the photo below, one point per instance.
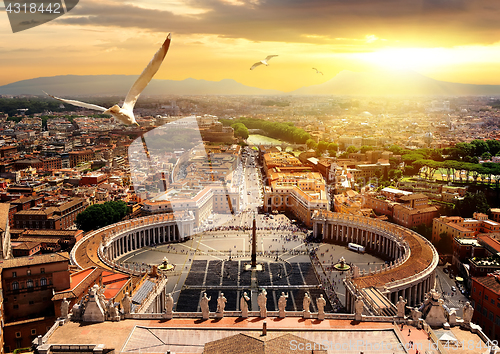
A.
x: 257, y: 139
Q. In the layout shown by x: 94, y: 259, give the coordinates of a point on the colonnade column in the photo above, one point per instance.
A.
x: 414, y: 295
x: 420, y: 287
x: 407, y: 293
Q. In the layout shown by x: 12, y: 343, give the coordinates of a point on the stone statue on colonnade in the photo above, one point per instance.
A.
x: 204, y: 306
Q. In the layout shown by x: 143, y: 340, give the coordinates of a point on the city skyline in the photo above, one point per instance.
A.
x: 456, y: 41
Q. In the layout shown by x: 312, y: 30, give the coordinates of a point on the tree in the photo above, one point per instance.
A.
x: 480, y: 147
x: 322, y: 146
x: 351, y: 149
x: 394, y: 162
x: 417, y: 165
x: 411, y: 167
x: 332, y: 149
x: 397, y: 150
x: 472, y: 203
x: 423, y: 230
x: 366, y: 148
x: 100, y: 215
x: 240, y: 130
x: 464, y: 149
x: 445, y: 244
x: 436, y: 155
x: 395, y: 174
x: 486, y: 156
x: 311, y: 144
x: 493, y: 147
x: 431, y: 167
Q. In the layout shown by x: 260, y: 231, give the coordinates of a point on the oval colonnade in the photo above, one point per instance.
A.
x: 411, y: 260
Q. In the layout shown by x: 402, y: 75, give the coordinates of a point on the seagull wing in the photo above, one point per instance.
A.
x: 79, y: 104
x: 269, y: 57
x: 146, y: 76
x: 256, y: 65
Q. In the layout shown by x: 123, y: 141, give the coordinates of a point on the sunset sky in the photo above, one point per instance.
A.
x: 451, y: 40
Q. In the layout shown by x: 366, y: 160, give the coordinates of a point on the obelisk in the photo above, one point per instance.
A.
x: 254, y: 244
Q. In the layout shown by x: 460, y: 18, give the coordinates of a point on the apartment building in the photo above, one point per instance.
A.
x: 456, y: 226
x: 28, y: 284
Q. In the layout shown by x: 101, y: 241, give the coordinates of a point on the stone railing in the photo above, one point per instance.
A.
x: 43, y: 339
x: 108, y: 234
x: 432, y: 336
x: 153, y: 294
x: 270, y: 314
x: 132, y: 270
x: 70, y: 348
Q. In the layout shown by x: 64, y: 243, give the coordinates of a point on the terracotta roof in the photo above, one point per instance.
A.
x: 54, y: 233
x: 80, y: 281
x: 413, y: 196
x: 70, y: 204
x: 36, y: 239
x: 458, y: 227
x: 272, y: 343
x: 112, y: 289
x: 25, y: 245
x: 420, y: 258
x: 490, y: 242
x: 491, y: 282
x: 33, y: 260
x: 423, y: 210
x: 22, y: 200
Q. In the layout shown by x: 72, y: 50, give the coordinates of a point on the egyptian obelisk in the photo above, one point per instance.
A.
x: 254, y: 244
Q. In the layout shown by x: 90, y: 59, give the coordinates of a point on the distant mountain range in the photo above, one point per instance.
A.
x: 345, y: 83
x: 89, y: 85
x: 383, y: 83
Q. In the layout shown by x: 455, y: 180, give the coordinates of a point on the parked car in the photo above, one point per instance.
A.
x: 445, y: 270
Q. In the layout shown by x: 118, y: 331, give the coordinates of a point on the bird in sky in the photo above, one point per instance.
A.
x: 317, y: 71
x: 263, y: 62
x: 125, y: 114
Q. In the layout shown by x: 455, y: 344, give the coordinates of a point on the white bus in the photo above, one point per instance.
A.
x: 355, y: 247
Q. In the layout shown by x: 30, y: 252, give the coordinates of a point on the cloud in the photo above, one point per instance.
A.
x: 411, y: 22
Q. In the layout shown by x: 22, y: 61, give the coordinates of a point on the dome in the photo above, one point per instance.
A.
x: 428, y: 137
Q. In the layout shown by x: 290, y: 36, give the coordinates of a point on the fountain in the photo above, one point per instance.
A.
x: 165, y: 266
x: 341, y: 265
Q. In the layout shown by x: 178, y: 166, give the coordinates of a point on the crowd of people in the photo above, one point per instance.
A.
x: 328, y: 284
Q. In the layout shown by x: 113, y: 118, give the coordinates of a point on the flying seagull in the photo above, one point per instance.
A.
x: 126, y: 113
x: 263, y: 62
x: 317, y: 71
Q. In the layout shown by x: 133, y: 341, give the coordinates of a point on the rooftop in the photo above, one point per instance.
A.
x: 34, y: 260
x: 490, y: 242
x: 467, y: 241
x: 189, y: 335
x: 396, y: 191
x: 490, y: 281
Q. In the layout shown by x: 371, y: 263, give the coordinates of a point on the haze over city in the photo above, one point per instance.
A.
x: 456, y: 41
